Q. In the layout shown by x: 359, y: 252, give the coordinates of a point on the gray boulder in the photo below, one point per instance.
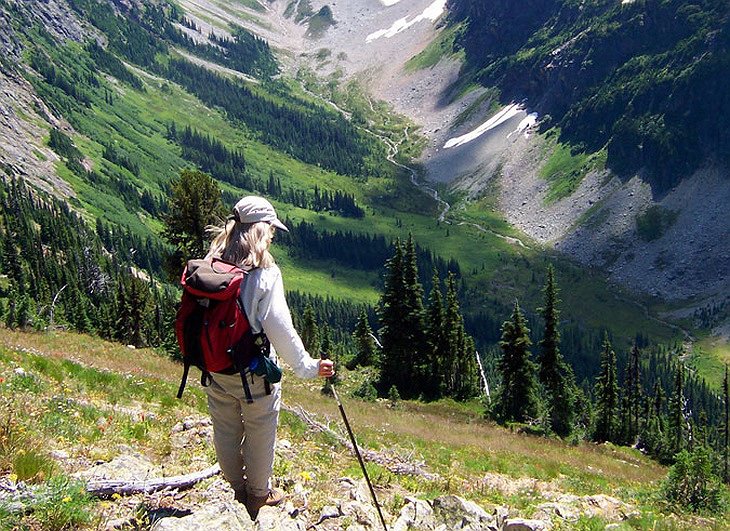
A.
x: 221, y: 517
x: 415, y: 514
x: 444, y: 514
x: 127, y: 466
x: 458, y: 513
x: 524, y: 524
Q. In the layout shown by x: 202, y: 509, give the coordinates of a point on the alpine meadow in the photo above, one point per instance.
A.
x: 506, y: 226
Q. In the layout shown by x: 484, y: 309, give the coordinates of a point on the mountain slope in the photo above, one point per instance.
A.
x: 643, y: 79
x: 639, y: 84
x: 592, y: 76
x: 101, y: 408
x: 119, y: 116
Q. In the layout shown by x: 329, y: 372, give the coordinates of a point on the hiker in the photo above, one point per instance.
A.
x: 244, y: 431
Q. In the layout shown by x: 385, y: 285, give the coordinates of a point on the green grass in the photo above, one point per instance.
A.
x: 59, y: 504
x: 443, y: 46
x: 565, y: 169
x: 594, y: 217
x: 473, y: 458
x: 709, y: 357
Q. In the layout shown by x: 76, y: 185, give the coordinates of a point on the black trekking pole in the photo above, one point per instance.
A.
x: 357, y: 452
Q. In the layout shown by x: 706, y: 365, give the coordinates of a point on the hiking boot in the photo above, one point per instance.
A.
x: 241, y: 496
x: 254, y: 503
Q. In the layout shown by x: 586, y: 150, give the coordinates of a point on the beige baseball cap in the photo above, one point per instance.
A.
x: 252, y: 209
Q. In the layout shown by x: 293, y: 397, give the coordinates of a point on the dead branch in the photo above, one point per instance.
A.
x: 107, y: 487
x: 393, y: 463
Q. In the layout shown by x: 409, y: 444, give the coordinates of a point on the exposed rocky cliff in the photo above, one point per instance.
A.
x: 24, y: 117
x: 599, y: 224
x: 686, y: 257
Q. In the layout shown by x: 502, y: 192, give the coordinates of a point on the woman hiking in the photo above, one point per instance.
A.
x: 244, y: 431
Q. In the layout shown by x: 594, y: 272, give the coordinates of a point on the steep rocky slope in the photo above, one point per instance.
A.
x: 685, y: 258
x: 24, y: 117
x: 599, y: 225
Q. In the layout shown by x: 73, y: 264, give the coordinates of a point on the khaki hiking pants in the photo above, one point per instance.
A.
x: 244, y: 434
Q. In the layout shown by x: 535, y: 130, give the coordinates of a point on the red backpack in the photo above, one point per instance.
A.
x: 212, y: 329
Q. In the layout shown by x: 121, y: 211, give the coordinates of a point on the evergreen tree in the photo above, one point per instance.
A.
x: 327, y: 352
x: 366, y: 351
x: 12, y: 264
x: 412, y: 323
x: 459, y: 369
x: 453, y: 337
x: 133, y: 312
x: 517, y: 400
x: 391, y: 310
x: 434, y: 367
x: 556, y: 375
x: 692, y: 484
x: 78, y: 314
x: 652, y: 436
x: 678, y: 430
x: 467, y: 377
x: 22, y: 316
x: 633, y: 394
x: 310, y: 331
x: 195, y: 204
x: 607, y: 396
x: 726, y: 428
x: 10, y: 321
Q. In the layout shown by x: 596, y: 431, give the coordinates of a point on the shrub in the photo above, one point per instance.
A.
x: 692, y: 485
x: 33, y: 466
x: 366, y: 392
x: 393, y: 396
x: 653, y: 223
x: 62, y: 503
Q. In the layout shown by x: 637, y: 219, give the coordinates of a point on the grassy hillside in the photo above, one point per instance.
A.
x: 86, y: 401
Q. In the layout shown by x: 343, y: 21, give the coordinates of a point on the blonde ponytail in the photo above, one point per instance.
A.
x: 243, y: 244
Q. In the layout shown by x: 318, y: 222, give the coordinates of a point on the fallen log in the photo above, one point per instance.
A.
x: 108, y: 487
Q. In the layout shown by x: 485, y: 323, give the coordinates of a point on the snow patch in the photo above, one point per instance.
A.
x: 432, y: 13
x: 388, y: 3
x: 524, y: 126
x: 499, y: 118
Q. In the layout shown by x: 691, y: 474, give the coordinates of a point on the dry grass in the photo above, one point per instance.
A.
x: 470, y: 436
x: 419, y: 425
x: 93, y: 352
x: 473, y: 457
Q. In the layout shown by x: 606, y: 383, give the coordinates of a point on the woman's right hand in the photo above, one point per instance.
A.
x: 326, y: 368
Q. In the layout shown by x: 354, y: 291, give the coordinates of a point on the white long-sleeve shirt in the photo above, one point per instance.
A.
x: 263, y: 301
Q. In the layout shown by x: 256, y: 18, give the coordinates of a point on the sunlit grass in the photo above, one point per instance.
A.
x: 442, y: 46
x: 565, y: 168
x: 710, y: 356
x: 75, y: 403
